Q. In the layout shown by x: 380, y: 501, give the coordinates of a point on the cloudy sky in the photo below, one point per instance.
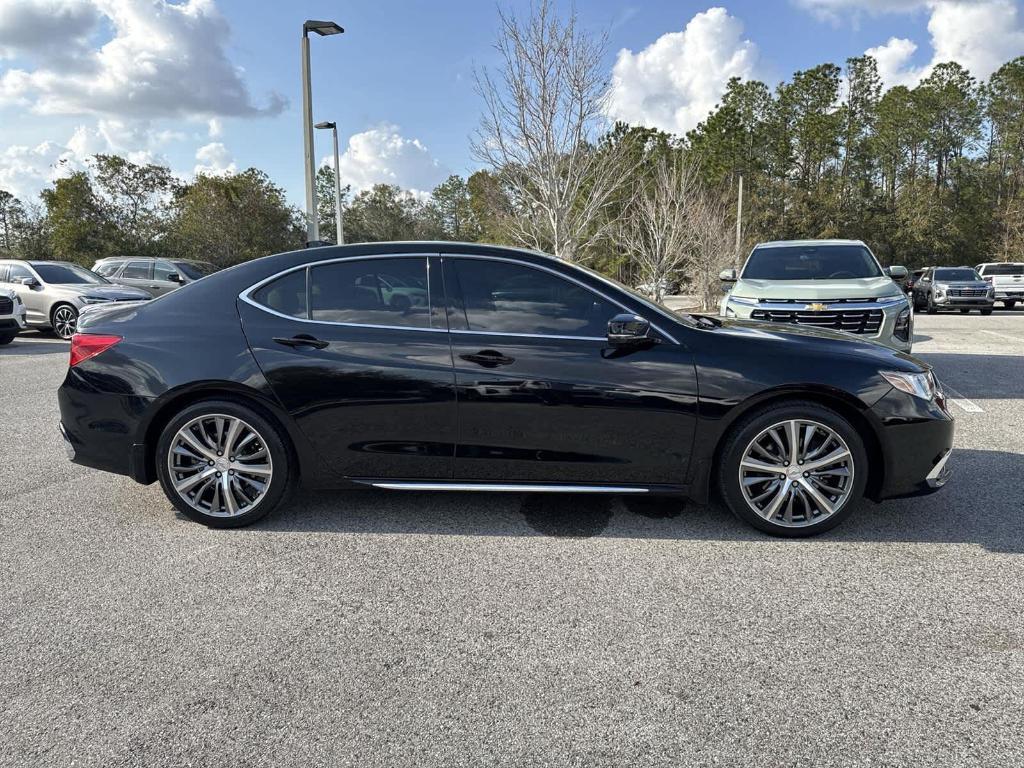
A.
x: 213, y: 85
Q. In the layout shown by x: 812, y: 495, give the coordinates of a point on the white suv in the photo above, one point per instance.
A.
x: 12, y: 316
x: 835, y: 284
x: 1006, y: 279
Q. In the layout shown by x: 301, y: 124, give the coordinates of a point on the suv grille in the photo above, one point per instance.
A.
x: 968, y: 291
x: 6, y: 305
x: 854, y: 320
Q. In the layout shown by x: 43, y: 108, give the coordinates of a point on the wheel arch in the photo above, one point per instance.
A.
x: 143, y: 464
x: 843, y: 403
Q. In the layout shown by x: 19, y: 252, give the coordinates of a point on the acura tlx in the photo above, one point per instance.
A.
x: 446, y: 366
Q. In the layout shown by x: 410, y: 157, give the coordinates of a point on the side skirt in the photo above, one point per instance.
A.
x: 454, y: 485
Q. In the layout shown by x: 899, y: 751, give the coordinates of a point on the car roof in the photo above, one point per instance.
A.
x: 806, y: 243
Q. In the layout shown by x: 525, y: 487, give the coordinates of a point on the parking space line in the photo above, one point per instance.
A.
x: 1003, y: 335
x: 962, y: 402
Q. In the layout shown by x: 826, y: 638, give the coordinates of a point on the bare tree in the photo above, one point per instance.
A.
x: 541, y: 113
x: 657, y: 229
x: 713, y: 248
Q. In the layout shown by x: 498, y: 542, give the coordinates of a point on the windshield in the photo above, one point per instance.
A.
x: 811, y: 262
x: 1004, y: 269
x: 194, y: 270
x: 959, y: 275
x: 63, y: 274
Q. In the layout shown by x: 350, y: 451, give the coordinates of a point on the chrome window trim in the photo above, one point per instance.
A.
x: 556, y: 273
x: 247, y: 298
x: 245, y: 295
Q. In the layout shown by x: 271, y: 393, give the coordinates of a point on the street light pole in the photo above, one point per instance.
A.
x: 739, y: 218
x: 321, y: 28
x: 338, y: 224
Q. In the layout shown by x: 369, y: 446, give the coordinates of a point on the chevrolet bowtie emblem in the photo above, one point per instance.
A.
x: 816, y: 307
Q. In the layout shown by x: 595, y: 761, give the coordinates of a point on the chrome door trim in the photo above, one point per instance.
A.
x: 504, y: 487
x: 247, y: 298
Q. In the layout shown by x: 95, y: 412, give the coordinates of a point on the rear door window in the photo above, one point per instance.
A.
x: 286, y: 295
x: 384, y: 291
x: 139, y: 270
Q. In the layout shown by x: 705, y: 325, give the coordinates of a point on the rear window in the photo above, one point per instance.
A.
x: 194, y: 270
x: 1003, y: 269
x: 958, y: 275
x: 286, y: 295
x: 811, y: 262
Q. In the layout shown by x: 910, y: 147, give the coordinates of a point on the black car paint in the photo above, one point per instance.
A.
x: 407, y: 404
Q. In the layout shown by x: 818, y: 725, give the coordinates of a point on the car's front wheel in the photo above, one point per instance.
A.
x: 64, y: 320
x: 7, y: 338
x: 793, y: 469
x: 223, y: 464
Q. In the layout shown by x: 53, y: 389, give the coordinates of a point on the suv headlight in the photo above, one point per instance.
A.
x: 737, y: 301
x: 917, y: 384
x: 95, y: 299
x: 904, y: 325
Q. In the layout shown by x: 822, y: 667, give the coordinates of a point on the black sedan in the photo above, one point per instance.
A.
x: 504, y: 370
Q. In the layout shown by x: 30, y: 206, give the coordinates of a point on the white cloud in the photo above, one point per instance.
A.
x: 981, y: 35
x: 164, y: 59
x: 676, y: 81
x: 382, y: 155
x: 215, y: 128
x: 894, y: 65
x: 213, y: 159
x: 24, y: 170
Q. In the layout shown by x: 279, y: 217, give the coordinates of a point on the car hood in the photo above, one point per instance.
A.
x: 785, y: 338
x: 112, y: 292
x: 817, y: 290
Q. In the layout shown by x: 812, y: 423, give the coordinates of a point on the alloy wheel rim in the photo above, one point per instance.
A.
x: 796, y: 473
x: 220, y: 465
x: 64, y: 322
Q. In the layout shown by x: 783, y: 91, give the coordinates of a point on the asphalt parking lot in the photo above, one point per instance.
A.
x: 375, y: 628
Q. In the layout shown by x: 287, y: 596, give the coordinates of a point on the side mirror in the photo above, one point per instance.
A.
x: 727, y: 275
x: 174, y: 277
x: 896, y: 272
x: 628, y: 330
x: 29, y: 282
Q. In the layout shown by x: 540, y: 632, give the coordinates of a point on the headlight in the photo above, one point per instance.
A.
x: 917, y: 384
x: 95, y: 299
x: 903, y: 327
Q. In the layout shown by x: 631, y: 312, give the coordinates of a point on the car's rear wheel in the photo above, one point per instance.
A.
x: 64, y: 320
x: 793, y: 469
x: 7, y: 338
x: 223, y: 464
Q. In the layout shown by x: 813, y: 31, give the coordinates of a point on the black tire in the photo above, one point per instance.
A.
x: 284, y: 465
x: 964, y: 311
x: 1009, y: 304
x: 930, y: 307
x: 987, y: 311
x: 64, y: 320
x: 917, y: 304
x: 749, y: 427
x: 7, y: 338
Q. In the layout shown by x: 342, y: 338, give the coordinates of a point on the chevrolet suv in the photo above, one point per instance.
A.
x: 836, y: 284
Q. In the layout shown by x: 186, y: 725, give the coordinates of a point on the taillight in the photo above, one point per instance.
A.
x: 86, y: 345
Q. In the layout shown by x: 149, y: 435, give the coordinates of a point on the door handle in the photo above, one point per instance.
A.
x: 488, y: 358
x: 301, y: 340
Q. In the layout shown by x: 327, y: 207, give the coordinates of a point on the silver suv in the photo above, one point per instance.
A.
x: 835, y: 284
x: 155, y: 276
x: 55, y: 292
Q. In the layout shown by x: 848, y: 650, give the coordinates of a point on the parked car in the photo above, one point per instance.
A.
x: 583, y: 386
x: 1006, y: 279
x: 953, y: 288
x: 834, y: 284
x: 155, y: 276
x: 12, y: 315
x: 668, y: 287
x: 912, y: 278
x: 55, y: 292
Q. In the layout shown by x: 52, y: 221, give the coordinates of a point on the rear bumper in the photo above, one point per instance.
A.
x: 99, y: 430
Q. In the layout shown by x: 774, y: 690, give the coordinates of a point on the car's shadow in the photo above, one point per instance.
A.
x: 34, y: 344
x: 981, y: 505
x: 991, y: 377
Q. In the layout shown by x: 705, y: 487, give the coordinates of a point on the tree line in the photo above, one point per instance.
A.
x: 927, y: 175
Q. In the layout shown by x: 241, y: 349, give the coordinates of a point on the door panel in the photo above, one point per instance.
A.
x: 569, y: 409
x: 375, y: 402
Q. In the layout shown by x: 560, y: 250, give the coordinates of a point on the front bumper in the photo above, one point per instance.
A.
x: 916, y: 438
x: 973, y: 302
x: 886, y: 333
